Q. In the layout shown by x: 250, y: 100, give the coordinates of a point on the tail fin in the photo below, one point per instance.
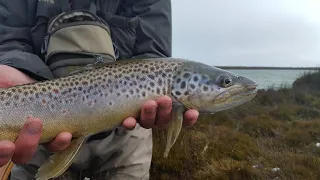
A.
x: 6, y: 170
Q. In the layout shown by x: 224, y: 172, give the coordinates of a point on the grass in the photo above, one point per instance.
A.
x: 277, y: 129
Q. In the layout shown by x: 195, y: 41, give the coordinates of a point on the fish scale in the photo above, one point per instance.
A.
x: 100, y: 97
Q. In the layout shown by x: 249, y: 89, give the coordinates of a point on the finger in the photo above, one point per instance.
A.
x: 27, y: 141
x: 60, y: 143
x: 163, y: 111
x: 6, y: 151
x: 129, y: 123
x: 190, y: 117
x: 148, y: 114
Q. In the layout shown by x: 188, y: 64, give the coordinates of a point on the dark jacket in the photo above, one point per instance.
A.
x: 138, y: 28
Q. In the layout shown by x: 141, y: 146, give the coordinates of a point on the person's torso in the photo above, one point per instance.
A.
x: 115, y: 12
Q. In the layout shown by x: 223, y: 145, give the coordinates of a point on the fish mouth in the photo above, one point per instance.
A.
x: 238, y: 92
x: 250, y: 89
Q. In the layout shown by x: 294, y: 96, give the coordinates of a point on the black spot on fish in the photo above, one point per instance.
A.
x: 192, y: 86
x: 177, y: 93
x: 186, y: 75
x: 183, y: 85
x: 195, y: 78
x: 204, y: 77
x: 151, y: 76
x: 168, y: 70
x: 178, y: 80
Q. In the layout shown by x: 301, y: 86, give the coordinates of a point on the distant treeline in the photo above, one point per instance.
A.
x: 261, y: 67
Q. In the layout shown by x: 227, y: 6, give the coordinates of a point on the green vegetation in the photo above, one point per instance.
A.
x: 278, y: 129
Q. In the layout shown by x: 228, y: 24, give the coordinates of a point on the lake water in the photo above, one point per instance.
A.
x: 270, y: 77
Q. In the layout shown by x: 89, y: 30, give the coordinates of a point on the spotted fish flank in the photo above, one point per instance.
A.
x: 101, y: 97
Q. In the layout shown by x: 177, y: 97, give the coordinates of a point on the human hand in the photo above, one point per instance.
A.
x: 22, y: 150
x: 157, y: 114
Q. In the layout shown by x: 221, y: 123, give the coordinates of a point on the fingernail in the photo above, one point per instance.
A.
x: 150, y: 110
x: 34, y: 127
x: 6, y: 154
x: 165, y: 105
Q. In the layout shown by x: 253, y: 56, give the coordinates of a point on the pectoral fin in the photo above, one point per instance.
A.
x: 174, y: 128
x: 58, y: 163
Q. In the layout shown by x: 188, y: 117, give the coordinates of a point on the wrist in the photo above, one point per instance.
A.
x: 10, y: 76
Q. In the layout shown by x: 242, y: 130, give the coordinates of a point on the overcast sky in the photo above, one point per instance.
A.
x: 247, y: 32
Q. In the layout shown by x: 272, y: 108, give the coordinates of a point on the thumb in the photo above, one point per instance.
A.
x: 27, y: 141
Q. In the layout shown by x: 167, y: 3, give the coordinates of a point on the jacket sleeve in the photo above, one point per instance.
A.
x: 16, y: 19
x: 154, y: 28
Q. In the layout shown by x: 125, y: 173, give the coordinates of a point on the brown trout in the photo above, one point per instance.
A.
x: 101, y: 97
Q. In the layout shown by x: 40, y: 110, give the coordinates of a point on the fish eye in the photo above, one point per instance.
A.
x: 225, y: 81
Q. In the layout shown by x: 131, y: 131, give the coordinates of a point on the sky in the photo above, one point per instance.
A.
x: 247, y: 32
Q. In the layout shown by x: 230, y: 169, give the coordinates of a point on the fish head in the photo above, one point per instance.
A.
x: 209, y: 89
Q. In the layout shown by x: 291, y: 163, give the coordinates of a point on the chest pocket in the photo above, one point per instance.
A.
x: 123, y: 33
x: 123, y: 29
x: 76, y: 38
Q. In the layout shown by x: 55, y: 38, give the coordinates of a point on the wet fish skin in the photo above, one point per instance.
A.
x: 101, y: 98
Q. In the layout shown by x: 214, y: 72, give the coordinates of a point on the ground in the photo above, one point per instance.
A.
x: 274, y: 136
